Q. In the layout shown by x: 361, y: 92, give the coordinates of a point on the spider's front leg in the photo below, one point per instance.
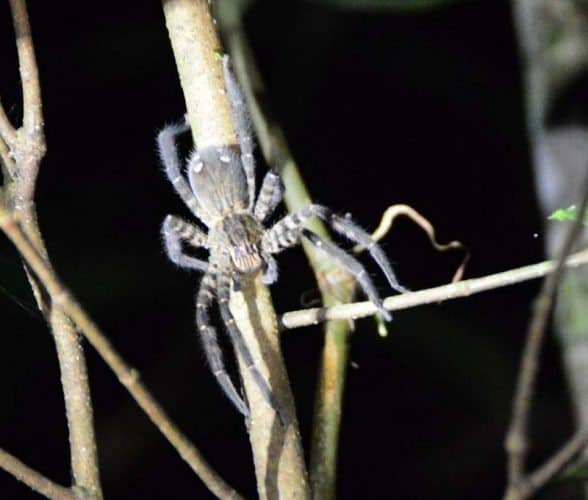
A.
x: 224, y: 290
x: 288, y: 231
x: 175, y: 231
x: 279, y: 238
x: 270, y: 194
x: 243, y: 128
x: 168, y: 154
x: 209, y: 339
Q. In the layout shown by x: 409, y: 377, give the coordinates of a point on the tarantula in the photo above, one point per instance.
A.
x: 220, y: 192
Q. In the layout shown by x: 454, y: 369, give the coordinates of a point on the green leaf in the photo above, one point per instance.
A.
x: 577, y: 471
x: 570, y: 213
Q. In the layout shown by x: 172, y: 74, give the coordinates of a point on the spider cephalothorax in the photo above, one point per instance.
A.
x: 220, y: 192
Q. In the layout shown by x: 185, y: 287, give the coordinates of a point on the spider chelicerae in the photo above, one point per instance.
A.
x: 220, y: 193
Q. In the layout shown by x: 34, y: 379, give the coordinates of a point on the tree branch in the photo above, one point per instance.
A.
x: 336, y: 286
x: 33, y: 479
x: 312, y: 316
x: 127, y: 375
x: 27, y: 148
x: 553, y: 42
x: 277, y: 451
x: 516, y: 441
x: 551, y: 467
x: 7, y: 131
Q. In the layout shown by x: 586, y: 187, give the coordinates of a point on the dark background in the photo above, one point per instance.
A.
x: 418, y: 108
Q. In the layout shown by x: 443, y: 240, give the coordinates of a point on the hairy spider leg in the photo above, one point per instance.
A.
x: 353, y: 232
x: 223, y: 290
x: 169, y: 157
x: 288, y: 231
x: 243, y: 128
x: 269, y: 197
x: 346, y: 227
x: 270, y: 273
x: 175, y: 231
x: 210, y: 343
x: 352, y: 265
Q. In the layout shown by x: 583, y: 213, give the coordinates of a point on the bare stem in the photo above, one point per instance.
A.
x: 33, y: 479
x: 7, y: 131
x: 553, y: 466
x: 27, y: 148
x: 356, y: 310
x: 197, y: 52
x: 126, y: 374
x: 30, y: 141
x: 516, y: 441
x: 277, y: 451
x: 336, y: 286
x: 6, y: 161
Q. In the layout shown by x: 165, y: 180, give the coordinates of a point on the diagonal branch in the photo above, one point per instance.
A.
x: 517, y: 437
x: 33, y: 479
x: 127, y: 375
x: 553, y: 465
x: 7, y: 131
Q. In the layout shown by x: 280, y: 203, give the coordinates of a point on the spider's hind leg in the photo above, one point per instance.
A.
x: 210, y: 343
x: 223, y: 288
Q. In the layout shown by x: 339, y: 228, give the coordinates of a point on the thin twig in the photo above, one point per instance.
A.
x: 6, y: 161
x: 126, y: 374
x: 356, y: 310
x: 27, y: 148
x: 336, y: 286
x: 7, y: 131
x: 551, y: 467
x: 516, y: 441
x: 30, y: 148
x: 33, y: 479
x: 277, y: 450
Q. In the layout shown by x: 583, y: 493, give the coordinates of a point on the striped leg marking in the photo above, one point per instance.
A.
x: 175, y: 231
x: 210, y: 343
x: 270, y: 195
x: 223, y: 287
x: 169, y: 157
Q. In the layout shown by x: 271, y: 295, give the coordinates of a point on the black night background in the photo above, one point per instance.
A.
x: 423, y: 108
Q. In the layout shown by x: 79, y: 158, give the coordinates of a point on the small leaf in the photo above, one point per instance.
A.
x: 570, y: 213
x: 578, y: 471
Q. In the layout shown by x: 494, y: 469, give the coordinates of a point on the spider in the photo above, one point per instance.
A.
x: 218, y: 186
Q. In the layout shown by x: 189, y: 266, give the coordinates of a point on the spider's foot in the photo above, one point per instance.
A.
x: 387, y: 315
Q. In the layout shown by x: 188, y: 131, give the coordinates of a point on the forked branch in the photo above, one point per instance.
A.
x: 127, y: 375
x: 518, y: 487
x: 21, y: 152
